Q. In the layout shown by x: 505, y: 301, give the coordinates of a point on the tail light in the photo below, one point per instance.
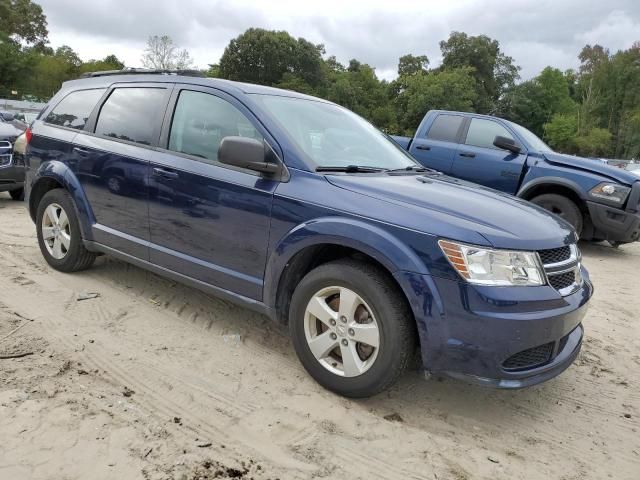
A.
x: 27, y: 135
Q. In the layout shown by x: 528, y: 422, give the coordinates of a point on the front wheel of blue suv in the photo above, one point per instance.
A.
x: 59, y: 233
x: 352, y: 328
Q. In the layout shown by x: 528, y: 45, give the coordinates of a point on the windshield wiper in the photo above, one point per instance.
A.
x: 351, y: 169
x: 411, y: 168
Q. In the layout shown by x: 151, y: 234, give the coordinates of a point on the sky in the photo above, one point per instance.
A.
x: 536, y: 33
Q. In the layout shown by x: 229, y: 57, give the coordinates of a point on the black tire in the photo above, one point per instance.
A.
x: 17, y: 195
x: 563, y: 207
x: 397, y: 331
x: 77, y: 257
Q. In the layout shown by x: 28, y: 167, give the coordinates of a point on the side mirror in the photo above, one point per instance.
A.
x: 506, y: 143
x: 7, y: 117
x: 246, y: 153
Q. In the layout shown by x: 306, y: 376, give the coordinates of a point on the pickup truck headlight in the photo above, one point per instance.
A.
x: 485, y: 266
x: 611, y: 192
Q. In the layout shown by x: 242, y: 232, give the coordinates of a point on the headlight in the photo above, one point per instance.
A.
x: 485, y: 266
x: 611, y: 192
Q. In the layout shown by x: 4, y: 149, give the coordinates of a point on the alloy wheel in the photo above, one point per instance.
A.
x: 56, y: 231
x: 341, y: 331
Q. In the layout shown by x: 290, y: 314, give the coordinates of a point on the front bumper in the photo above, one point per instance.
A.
x: 469, y: 332
x: 614, y: 224
x: 11, y: 177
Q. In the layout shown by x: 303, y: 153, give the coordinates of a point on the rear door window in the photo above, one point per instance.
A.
x: 445, y: 128
x: 202, y: 120
x: 74, y: 109
x: 133, y: 114
x: 482, y: 133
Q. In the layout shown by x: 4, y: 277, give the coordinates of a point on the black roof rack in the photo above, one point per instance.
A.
x: 146, y: 71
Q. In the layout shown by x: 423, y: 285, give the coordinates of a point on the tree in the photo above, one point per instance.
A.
x: 533, y: 103
x: 48, y: 69
x: 264, y: 56
x: 594, y: 143
x: 23, y: 21
x: 161, y: 53
x: 561, y: 132
x: 411, y: 64
x: 452, y: 89
x: 110, y: 62
x: 494, y: 71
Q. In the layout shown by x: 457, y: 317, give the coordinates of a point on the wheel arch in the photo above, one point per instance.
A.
x: 55, y: 174
x: 558, y: 186
x: 312, y: 244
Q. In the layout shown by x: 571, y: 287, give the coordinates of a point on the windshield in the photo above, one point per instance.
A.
x: 332, y: 136
x: 531, y: 138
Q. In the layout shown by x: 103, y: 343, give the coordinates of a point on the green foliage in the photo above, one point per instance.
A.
x: 264, y: 56
x: 110, y: 62
x: 594, y: 143
x: 411, y: 64
x: 493, y: 71
x: 452, y: 89
x: 561, y: 131
x: 534, y: 102
x: 23, y: 21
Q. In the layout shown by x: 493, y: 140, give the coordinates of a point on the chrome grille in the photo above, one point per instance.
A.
x: 562, y: 267
x: 6, y: 151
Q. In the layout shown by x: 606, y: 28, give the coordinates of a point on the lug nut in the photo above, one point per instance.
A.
x: 343, y: 319
x: 345, y: 342
x: 352, y: 332
x: 332, y: 322
x: 333, y: 336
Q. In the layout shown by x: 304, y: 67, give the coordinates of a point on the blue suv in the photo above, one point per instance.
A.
x: 303, y: 211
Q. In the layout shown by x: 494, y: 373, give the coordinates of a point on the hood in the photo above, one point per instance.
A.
x: 595, y: 166
x: 8, y: 130
x: 459, y: 210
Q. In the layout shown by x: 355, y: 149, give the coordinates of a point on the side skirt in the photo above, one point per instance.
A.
x: 239, y: 300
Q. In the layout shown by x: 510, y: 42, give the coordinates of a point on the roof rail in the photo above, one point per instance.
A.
x: 146, y: 71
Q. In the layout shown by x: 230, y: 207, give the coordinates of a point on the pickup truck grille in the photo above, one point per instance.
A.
x: 6, y: 153
x: 562, y: 267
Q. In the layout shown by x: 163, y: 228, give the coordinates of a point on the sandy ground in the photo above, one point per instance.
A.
x: 149, y: 381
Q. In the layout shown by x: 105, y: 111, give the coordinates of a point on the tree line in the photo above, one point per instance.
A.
x: 591, y: 111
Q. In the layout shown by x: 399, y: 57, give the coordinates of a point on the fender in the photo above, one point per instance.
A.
x: 369, y: 239
x: 528, y: 186
x: 61, y: 173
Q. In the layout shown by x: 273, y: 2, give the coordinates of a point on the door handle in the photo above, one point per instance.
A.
x: 168, y: 174
x: 423, y: 147
x: 81, y: 151
x: 467, y: 154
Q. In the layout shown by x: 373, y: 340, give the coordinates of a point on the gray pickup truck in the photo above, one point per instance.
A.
x: 11, y: 166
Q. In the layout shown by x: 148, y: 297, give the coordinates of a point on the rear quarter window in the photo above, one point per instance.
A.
x: 73, y: 110
x: 445, y: 128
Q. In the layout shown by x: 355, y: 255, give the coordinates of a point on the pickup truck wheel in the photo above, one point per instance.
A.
x: 563, y: 207
x: 17, y: 195
x: 59, y: 234
x: 351, y: 328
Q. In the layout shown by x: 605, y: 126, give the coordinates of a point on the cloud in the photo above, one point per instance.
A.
x: 535, y: 32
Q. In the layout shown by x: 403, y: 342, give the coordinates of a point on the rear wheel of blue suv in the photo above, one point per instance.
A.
x: 59, y: 234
